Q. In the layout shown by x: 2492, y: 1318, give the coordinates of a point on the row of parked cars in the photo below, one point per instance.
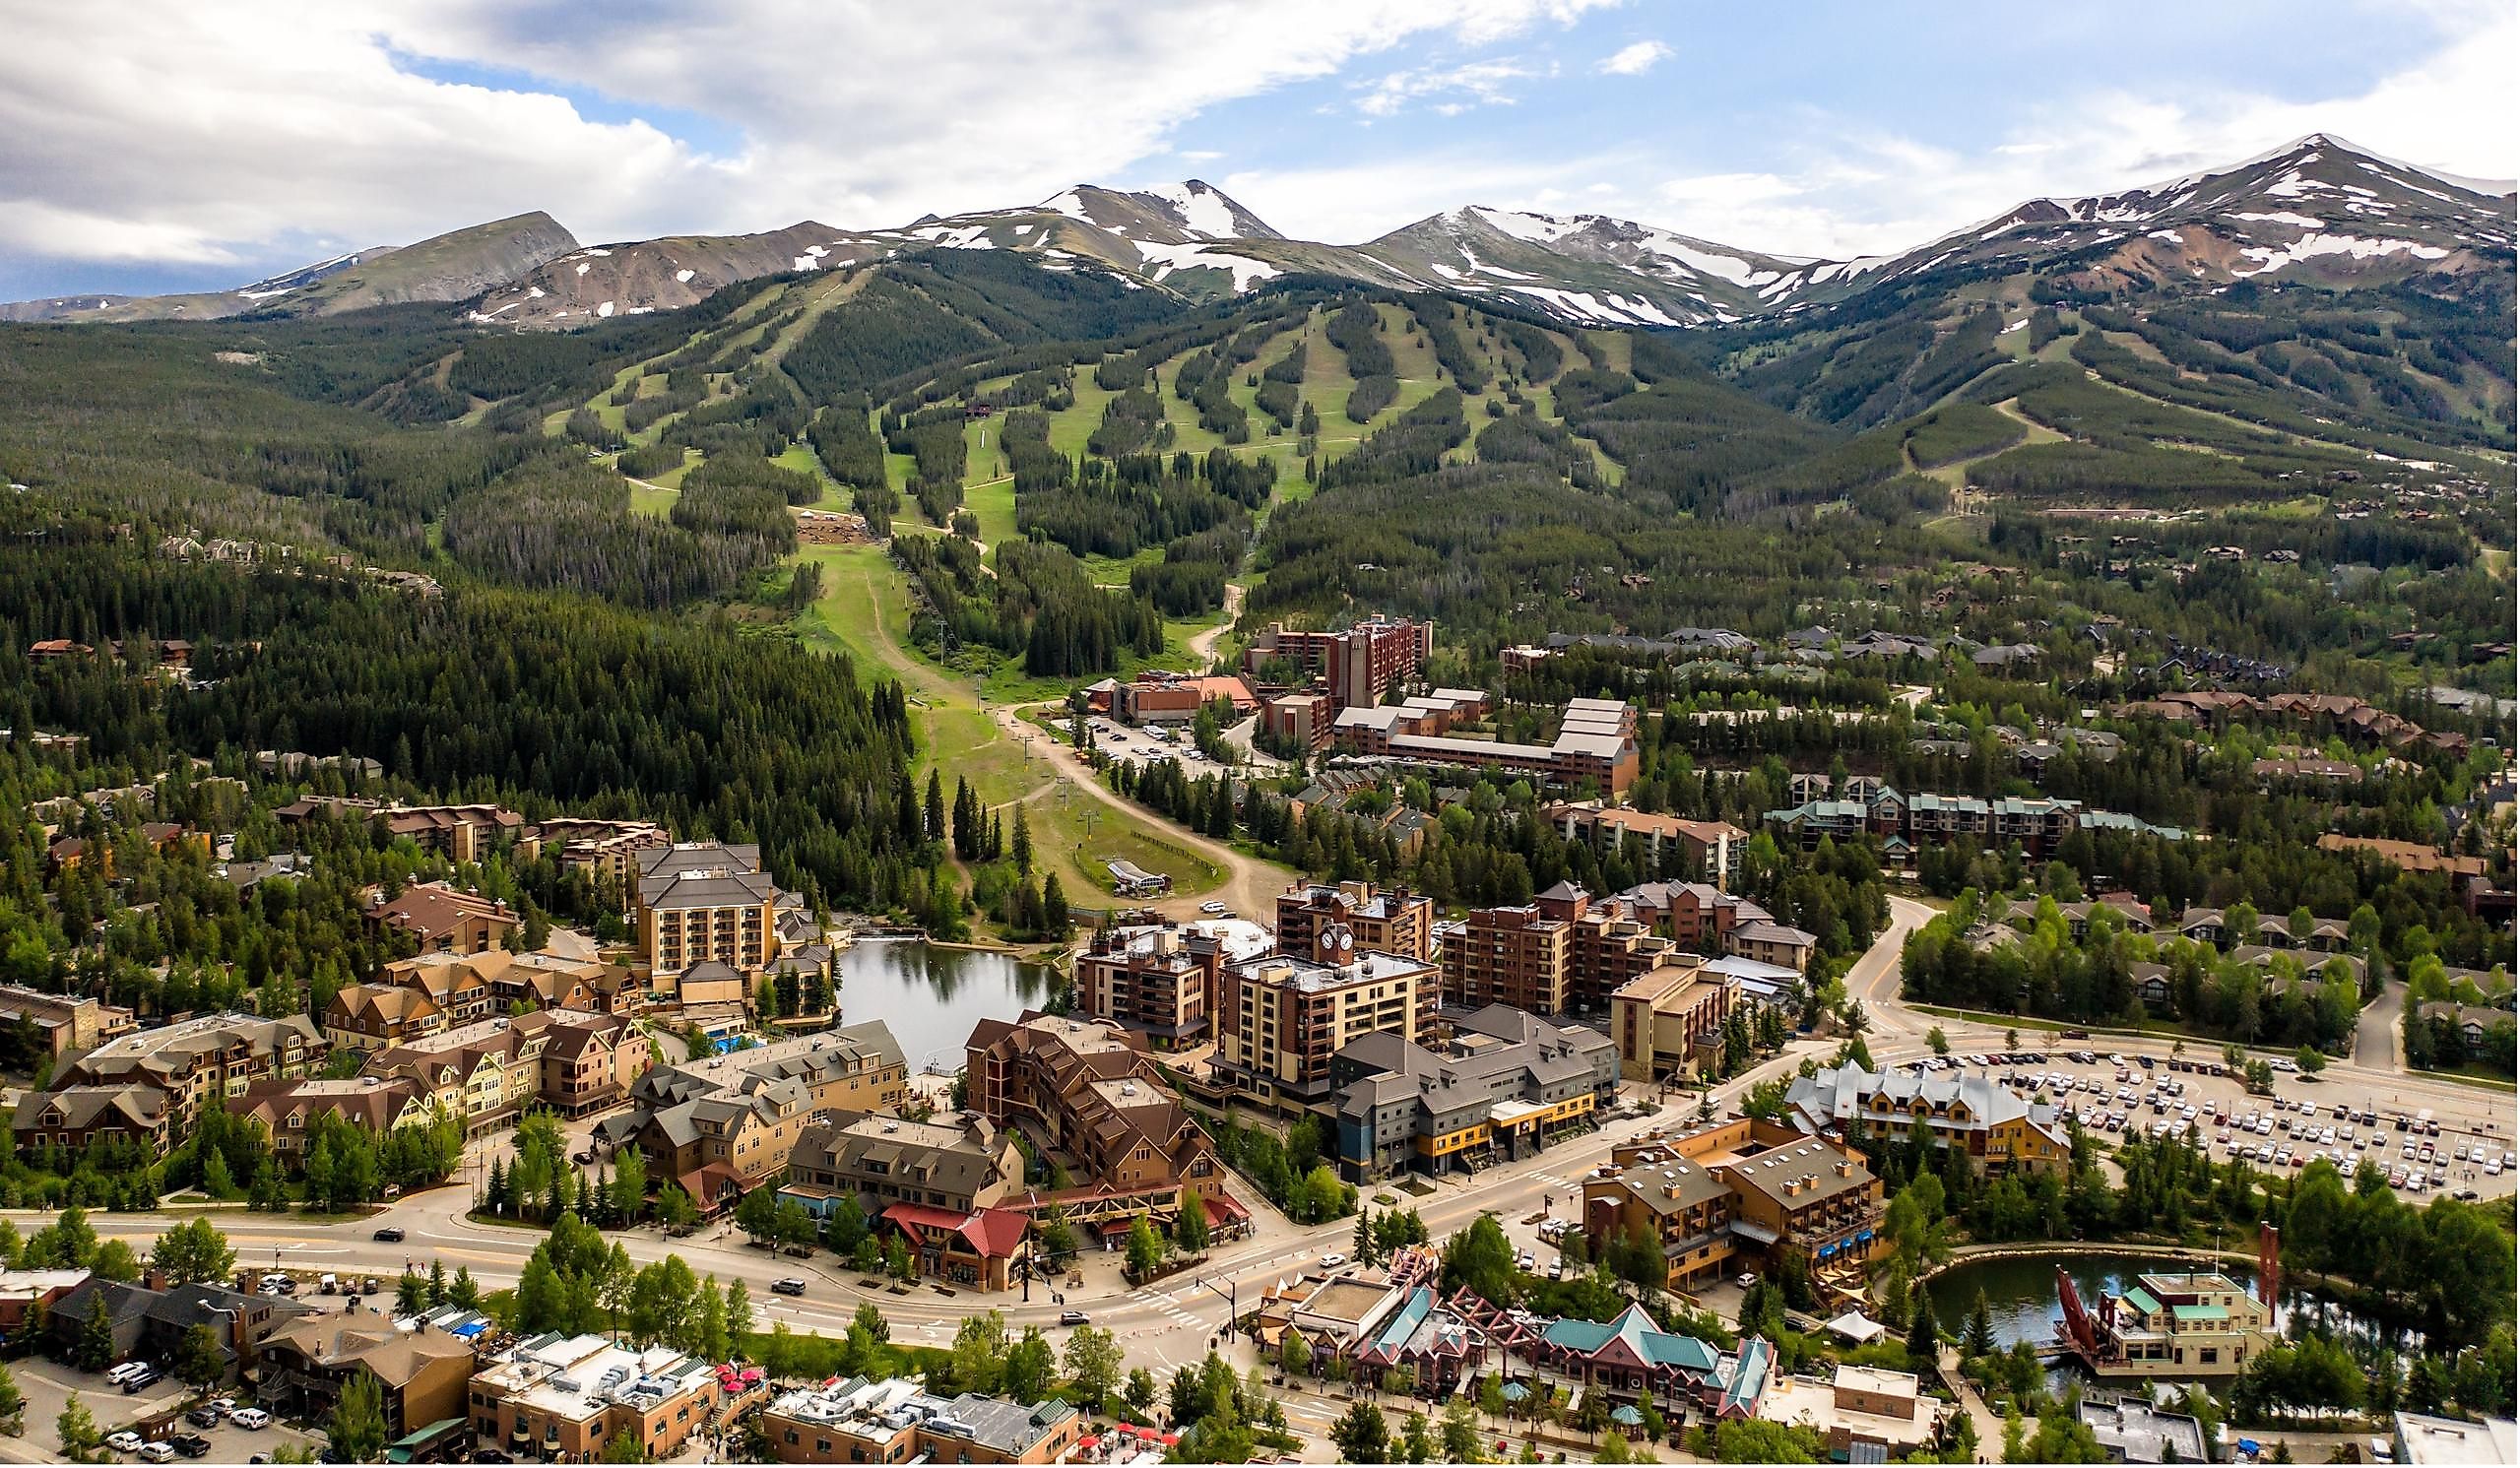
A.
x: 132, y: 1375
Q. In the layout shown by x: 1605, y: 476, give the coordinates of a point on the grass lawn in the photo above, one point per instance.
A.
x: 864, y: 611
x: 657, y: 502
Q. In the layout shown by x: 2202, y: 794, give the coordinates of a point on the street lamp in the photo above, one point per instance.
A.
x: 1231, y: 1295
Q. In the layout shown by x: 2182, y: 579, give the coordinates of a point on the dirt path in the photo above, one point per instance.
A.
x: 1203, y: 646
x: 1250, y: 885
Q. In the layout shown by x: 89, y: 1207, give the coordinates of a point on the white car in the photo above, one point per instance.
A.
x: 251, y: 1419
x: 1332, y: 1261
x: 1212, y: 909
x: 124, y: 1443
x: 157, y: 1452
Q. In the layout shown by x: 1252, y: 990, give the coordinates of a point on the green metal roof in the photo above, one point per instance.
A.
x: 2200, y: 1313
x: 2137, y: 1300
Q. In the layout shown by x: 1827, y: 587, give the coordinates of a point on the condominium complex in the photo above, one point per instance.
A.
x: 882, y: 1160
x: 288, y: 1108
x: 1905, y: 821
x: 1090, y: 1090
x: 1280, y: 1018
x: 489, y: 1071
x: 568, y: 1399
x: 157, y: 1081
x: 1995, y: 1127
x: 1595, y: 747
x: 723, y: 1124
x: 1700, y: 851
x: 1668, y: 1021
x: 1745, y: 1190
x: 374, y: 1016
x: 62, y: 1022
x: 704, y: 902
x: 937, y: 1185
x: 444, y: 920
x: 604, y: 850
x: 1560, y: 953
x: 1355, y: 665
x: 1158, y: 980
x: 1504, y: 1086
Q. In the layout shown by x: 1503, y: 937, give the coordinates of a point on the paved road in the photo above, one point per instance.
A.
x: 1171, y: 1321
x: 2376, y: 1034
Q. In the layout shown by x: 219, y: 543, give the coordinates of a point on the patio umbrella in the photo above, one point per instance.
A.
x: 1628, y: 1417
x: 1515, y: 1391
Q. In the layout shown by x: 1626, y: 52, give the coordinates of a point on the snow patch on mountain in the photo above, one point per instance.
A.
x: 1170, y: 257
x: 1538, y: 229
x: 1203, y: 213
x: 2310, y: 246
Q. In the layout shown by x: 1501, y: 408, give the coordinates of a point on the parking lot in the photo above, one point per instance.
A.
x: 2305, y: 1120
x: 47, y: 1386
x: 1153, y: 744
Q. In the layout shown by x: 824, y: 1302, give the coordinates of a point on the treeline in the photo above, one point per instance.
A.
x: 1434, y: 317
x: 932, y: 438
x: 2043, y: 972
x: 567, y: 525
x: 926, y: 309
x: 684, y: 722
x: 1040, y: 605
x: 1115, y: 508
x: 1355, y: 329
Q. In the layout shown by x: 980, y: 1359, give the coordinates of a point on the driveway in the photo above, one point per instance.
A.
x: 2376, y: 1035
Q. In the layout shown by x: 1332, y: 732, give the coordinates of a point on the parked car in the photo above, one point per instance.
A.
x: 1074, y: 1318
x: 157, y: 1452
x: 251, y: 1419
x: 789, y: 1286
x: 124, y: 1443
x: 190, y: 1444
x: 1212, y: 909
x: 203, y: 1417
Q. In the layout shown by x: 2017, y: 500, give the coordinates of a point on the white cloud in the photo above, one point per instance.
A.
x: 205, y: 133
x: 1635, y: 60
x: 1844, y: 186
x: 1471, y: 84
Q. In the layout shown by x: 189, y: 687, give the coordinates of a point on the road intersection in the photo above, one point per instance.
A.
x: 1172, y: 1320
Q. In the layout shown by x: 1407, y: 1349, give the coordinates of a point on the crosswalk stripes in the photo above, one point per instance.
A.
x: 1163, y: 1304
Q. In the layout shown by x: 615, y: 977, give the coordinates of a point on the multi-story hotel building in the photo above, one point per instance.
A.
x: 1668, y: 1020
x: 1560, y: 953
x: 1158, y: 980
x: 1354, y: 666
x: 1091, y: 1091
x: 702, y: 903
x: 1280, y: 1018
x: 1381, y: 919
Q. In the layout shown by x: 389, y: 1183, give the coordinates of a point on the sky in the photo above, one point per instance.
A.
x: 154, y: 147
